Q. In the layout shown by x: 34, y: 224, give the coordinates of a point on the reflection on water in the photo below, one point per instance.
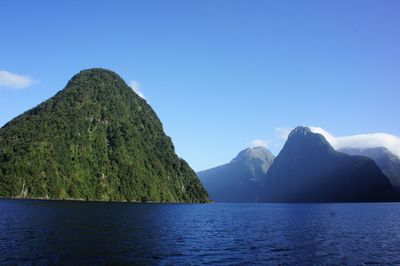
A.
x: 52, y: 232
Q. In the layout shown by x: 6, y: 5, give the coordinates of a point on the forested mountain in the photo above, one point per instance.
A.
x: 308, y: 169
x: 94, y: 140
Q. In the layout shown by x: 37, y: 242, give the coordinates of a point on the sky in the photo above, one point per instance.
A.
x: 222, y: 75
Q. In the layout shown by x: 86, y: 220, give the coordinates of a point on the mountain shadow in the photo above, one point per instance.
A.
x: 308, y: 169
x: 387, y: 161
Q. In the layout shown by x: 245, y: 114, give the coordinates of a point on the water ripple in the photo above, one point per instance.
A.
x: 55, y: 232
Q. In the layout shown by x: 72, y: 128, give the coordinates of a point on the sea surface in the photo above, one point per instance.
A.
x: 86, y: 233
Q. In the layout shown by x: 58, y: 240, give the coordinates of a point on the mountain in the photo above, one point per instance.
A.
x: 308, y: 169
x: 388, y: 162
x: 94, y: 140
x: 240, y: 180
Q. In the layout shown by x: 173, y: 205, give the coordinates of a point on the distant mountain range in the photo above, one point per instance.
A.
x: 387, y: 161
x: 308, y: 169
x: 241, y: 180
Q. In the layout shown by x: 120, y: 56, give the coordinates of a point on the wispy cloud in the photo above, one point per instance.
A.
x: 14, y: 81
x: 282, y: 132
x: 260, y: 143
x: 362, y: 141
x: 135, y: 85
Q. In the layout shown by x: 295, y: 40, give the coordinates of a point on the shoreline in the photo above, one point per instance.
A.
x: 103, y: 201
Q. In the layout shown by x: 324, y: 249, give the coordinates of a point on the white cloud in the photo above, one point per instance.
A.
x: 362, y: 141
x: 282, y: 132
x: 14, y: 81
x: 135, y: 85
x: 260, y: 143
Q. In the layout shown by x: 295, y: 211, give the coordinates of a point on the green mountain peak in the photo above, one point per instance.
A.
x: 95, y: 140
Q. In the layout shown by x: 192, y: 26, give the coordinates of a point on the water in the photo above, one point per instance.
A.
x: 56, y: 232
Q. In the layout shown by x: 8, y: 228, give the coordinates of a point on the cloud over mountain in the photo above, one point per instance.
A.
x: 282, y: 132
x: 362, y: 141
x: 260, y: 143
x: 135, y: 85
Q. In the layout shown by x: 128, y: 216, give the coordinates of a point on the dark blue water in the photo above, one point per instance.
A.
x: 55, y: 232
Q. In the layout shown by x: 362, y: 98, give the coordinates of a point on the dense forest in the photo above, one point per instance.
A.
x: 94, y: 140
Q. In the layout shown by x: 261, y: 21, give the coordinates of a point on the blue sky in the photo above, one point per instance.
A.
x: 219, y: 74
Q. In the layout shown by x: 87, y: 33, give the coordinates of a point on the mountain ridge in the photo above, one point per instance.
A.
x: 308, y: 169
x: 241, y: 179
x: 388, y: 162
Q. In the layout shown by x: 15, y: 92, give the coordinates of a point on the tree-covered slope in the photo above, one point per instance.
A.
x: 240, y: 180
x: 95, y: 140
